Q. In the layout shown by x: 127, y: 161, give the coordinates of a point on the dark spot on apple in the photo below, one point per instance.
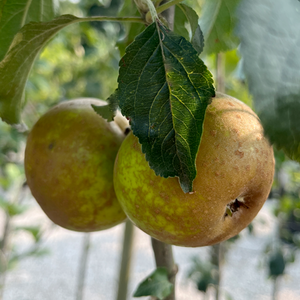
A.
x: 233, y: 207
x: 239, y: 153
x: 51, y: 145
x: 127, y: 130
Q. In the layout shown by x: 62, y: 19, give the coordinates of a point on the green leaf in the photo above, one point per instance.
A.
x: 35, y: 231
x: 217, y: 23
x: 17, y: 63
x: 108, y: 111
x: 132, y: 29
x: 105, y: 112
x: 164, y: 89
x: 157, y: 284
x: 180, y: 23
x: 13, y: 209
x: 129, y: 8
x: 270, y: 45
x: 203, y: 273
x: 276, y: 264
x: 14, y: 14
x: 198, y: 40
x: 33, y: 252
x: 282, y: 125
x: 185, y: 15
x: 191, y: 17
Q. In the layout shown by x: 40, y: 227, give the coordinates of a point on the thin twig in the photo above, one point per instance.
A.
x: 126, y: 261
x: 82, y: 266
x: 112, y: 19
x: 217, y: 260
x: 167, y: 5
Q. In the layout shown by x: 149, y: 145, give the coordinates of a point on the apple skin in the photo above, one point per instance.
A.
x: 235, y: 161
x: 69, y: 160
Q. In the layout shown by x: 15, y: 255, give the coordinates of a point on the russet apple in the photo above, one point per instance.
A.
x: 69, y: 161
x: 235, y: 168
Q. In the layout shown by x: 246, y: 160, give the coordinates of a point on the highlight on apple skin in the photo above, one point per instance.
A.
x: 235, y: 169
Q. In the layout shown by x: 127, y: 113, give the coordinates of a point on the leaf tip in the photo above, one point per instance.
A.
x: 186, y: 185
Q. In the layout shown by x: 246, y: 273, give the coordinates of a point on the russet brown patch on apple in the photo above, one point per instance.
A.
x: 239, y: 153
x: 233, y: 176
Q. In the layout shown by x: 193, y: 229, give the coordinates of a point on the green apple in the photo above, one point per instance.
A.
x: 69, y: 161
x: 235, y: 168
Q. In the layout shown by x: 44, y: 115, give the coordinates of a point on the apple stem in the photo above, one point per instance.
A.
x: 164, y: 258
x: 126, y: 260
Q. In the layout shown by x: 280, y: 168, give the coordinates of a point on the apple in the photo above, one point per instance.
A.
x: 235, y: 168
x: 69, y: 160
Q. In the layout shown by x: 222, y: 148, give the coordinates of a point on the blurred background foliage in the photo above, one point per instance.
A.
x: 82, y: 61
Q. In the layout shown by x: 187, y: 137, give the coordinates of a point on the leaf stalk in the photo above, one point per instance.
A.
x: 167, y: 5
x: 113, y: 19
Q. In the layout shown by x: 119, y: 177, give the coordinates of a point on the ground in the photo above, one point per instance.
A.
x: 54, y: 276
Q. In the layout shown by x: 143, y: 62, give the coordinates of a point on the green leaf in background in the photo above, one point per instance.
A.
x: 276, y: 263
x: 185, y: 15
x: 203, y: 273
x: 156, y: 284
x: 16, y: 65
x: 198, y: 40
x: 180, y: 24
x: 191, y: 17
x: 132, y: 29
x: 105, y: 111
x: 14, y: 14
x: 282, y: 125
x: 270, y: 46
x: 35, y: 251
x: 217, y: 22
x: 108, y: 111
x: 12, y: 209
x: 34, y: 231
x: 164, y: 89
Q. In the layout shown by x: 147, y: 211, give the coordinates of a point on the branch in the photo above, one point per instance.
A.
x: 82, y: 266
x: 112, y: 19
x: 126, y: 260
x: 167, y: 5
x: 164, y: 258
